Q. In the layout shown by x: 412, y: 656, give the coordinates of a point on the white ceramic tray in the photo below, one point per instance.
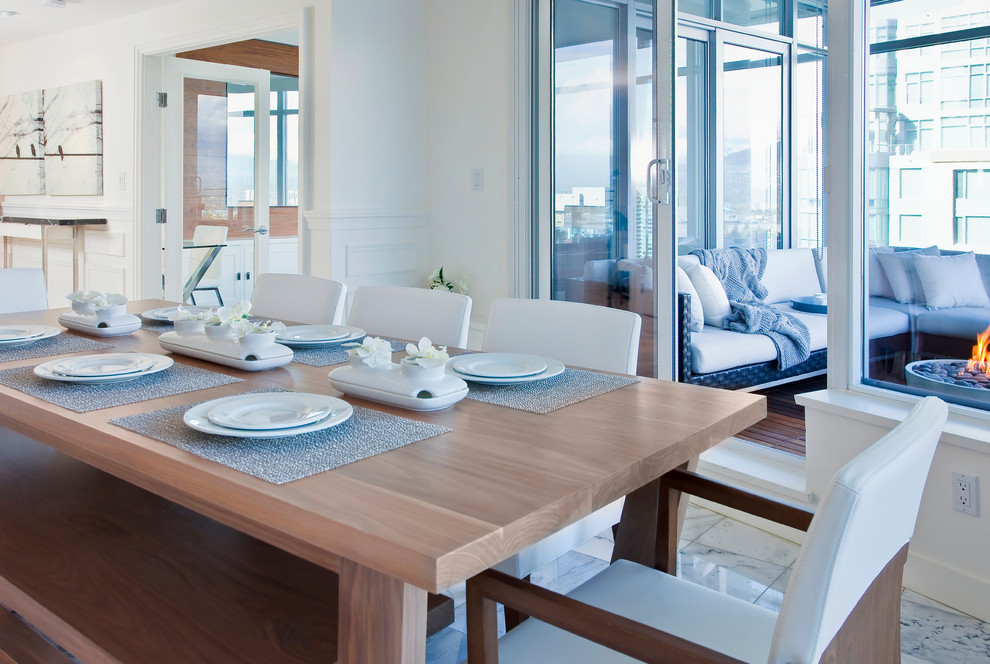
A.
x: 390, y: 385
x: 124, y: 324
x: 226, y: 351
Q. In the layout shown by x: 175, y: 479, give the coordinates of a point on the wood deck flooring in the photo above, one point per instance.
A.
x: 783, y: 428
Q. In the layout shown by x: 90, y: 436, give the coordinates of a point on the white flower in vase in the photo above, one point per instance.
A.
x: 425, y: 354
x: 373, y: 351
x: 181, y: 313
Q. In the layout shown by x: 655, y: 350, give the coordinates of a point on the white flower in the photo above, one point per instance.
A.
x: 96, y: 300
x: 189, y: 314
x: 84, y: 296
x: 374, y: 351
x: 242, y: 327
x: 426, y: 354
x: 232, y: 312
x: 439, y: 281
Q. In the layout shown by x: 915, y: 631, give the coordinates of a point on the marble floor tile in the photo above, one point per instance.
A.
x: 457, y: 593
x: 727, y: 572
x: 910, y: 659
x: 545, y: 576
x: 596, y: 547
x: 697, y: 521
x: 773, y: 596
x: 574, y: 568
x: 448, y: 646
x: 935, y: 633
x: 731, y: 535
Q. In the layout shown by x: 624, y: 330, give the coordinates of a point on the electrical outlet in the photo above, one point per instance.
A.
x: 966, y: 494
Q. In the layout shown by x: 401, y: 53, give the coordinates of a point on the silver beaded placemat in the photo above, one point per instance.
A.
x: 280, y: 460
x: 547, y: 395
x: 60, y: 344
x: 82, y: 397
x: 158, y: 326
x: 324, y: 356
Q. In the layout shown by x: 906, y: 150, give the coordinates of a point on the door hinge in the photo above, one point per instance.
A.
x: 161, y: 216
x: 162, y: 99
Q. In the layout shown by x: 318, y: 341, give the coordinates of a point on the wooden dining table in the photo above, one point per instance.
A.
x: 126, y: 549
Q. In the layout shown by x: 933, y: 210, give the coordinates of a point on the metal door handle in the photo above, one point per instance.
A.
x: 261, y: 231
x: 650, y: 192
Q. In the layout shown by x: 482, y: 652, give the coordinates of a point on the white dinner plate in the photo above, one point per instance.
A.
x: 198, y: 418
x: 281, y: 410
x: 108, y: 364
x: 162, y: 314
x: 159, y: 363
x: 307, y: 336
x: 554, y: 368
x: 499, y: 365
x: 35, y: 333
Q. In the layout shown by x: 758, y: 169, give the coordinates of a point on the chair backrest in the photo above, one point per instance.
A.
x: 22, y: 289
x: 867, y: 514
x: 298, y: 298
x: 411, y: 313
x: 584, y: 335
x: 206, y: 234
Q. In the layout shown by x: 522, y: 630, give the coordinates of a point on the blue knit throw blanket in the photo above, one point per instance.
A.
x: 740, y: 271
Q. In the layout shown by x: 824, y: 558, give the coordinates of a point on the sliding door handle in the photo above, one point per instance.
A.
x: 658, y: 191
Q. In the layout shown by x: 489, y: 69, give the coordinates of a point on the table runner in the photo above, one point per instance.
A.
x: 281, y: 460
x: 547, y: 395
x: 83, y: 398
x: 158, y: 326
x: 324, y: 356
x: 61, y: 344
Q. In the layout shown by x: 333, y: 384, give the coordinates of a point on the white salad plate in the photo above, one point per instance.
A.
x: 17, y: 335
x: 198, y: 418
x: 164, y: 314
x: 271, y: 411
x: 310, y: 336
x: 158, y: 363
x: 553, y: 368
x: 499, y: 365
x: 109, y: 364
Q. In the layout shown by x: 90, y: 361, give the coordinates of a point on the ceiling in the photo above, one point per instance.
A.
x: 37, y: 20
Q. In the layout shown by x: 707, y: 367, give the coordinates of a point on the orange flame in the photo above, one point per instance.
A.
x: 981, y: 353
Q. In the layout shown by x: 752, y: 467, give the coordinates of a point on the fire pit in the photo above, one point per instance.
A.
x: 966, y: 380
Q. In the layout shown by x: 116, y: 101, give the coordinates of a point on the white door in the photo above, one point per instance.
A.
x: 217, y: 161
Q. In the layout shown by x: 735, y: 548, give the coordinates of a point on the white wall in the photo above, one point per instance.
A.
x: 470, y: 78
x: 948, y: 555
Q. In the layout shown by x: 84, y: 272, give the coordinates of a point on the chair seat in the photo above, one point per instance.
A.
x: 726, y: 624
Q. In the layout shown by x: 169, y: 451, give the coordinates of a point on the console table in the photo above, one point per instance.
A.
x: 44, y: 224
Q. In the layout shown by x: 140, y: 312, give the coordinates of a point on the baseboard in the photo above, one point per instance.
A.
x: 954, y: 588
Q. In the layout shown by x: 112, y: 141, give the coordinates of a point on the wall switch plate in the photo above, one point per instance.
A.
x: 122, y: 181
x: 477, y: 179
x: 966, y: 494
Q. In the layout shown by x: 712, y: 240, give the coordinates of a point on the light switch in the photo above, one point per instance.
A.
x: 478, y: 179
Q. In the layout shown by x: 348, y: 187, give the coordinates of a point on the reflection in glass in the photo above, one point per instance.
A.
x: 763, y: 15
x: 752, y: 160
x: 691, y: 127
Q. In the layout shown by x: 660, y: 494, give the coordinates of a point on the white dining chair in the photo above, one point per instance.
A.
x: 583, y: 335
x: 22, y: 289
x: 410, y: 313
x: 577, y: 334
x: 205, y: 234
x: 298, y: 298
x: 842, y: 603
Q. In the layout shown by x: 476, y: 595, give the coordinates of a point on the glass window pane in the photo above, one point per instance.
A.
x: 762, y: 15
x: 752, y: 126
x: 701, y: 8
x: 809, y: 104
x: 691, y: 125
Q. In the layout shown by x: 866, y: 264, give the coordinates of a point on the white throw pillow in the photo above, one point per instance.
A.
x: 951, y: 281
x: 684, y: 285
x: 879, y: 285
x: 903, y: 278
x: 714, y: 302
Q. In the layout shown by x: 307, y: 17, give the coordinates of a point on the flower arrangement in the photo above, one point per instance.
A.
x: 228, y: 314
x: 439, y: 282
x: 425, y: 354
x: 89, y: 302
x: 236, y: 318
x: 373, y: 351
x: 189, y: 314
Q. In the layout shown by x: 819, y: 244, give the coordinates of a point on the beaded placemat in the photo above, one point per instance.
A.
x: 158, y: 326
x: 279, y: 460
x: 82, y: 397
x: 324, y: 356
x: 60, y: 344
x: 547, y: 395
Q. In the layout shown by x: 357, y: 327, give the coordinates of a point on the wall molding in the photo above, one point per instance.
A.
x: 112, y: 213
x: 363, y: 220
x: 931, y: 578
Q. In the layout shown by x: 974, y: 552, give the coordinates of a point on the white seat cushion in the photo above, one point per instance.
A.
x: 716, y: 349
x: 701, y: 615
x: 886, y: 322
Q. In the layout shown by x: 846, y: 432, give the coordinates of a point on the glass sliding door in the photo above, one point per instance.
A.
x: 691, y: 126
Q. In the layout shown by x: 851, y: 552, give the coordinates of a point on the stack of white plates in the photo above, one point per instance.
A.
x: 165, y: 314
x: 270, y: 415
x: 503, y: 368
x: 17, y: 335
x: 314, y: 336
x: 103, y: 368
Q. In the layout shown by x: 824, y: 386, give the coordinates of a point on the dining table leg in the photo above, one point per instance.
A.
x: 381, y: 618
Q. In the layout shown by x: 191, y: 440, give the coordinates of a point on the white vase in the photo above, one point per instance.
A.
x: 108, y: 314
x: 218, y: 331
x: 188, y: 328
x: 83, y: 308
x: 420, y: 373
x: 256, y: 340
